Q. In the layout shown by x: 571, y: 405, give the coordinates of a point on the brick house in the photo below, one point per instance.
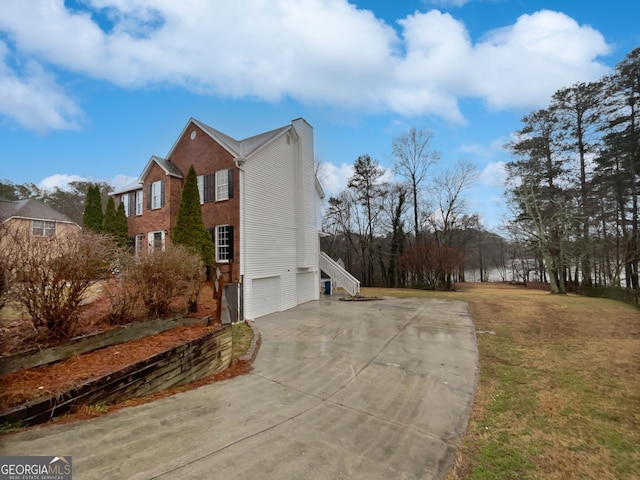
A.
x: 36, y: 217
x: 260, y: 200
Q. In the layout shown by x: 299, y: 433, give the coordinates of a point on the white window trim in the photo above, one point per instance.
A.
x: 138, y: 243
x: 150, y: 241
x: 201, y: 188
x: 219, y: 245
x: 138, y: 194
x: 156, y: 195
x: 124, y: 199
x: 222, y: 185
x: 48, y: 228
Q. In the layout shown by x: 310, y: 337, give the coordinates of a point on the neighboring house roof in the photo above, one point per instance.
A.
x: 166, y: 165
x: 30, y: 209
x: 129, y: 187
x: 237, y: 148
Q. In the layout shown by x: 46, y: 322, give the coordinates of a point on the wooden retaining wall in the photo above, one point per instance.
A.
x: 87, y: 343
x: 178, y: 366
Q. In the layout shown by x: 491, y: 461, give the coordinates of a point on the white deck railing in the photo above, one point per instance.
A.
x: 338, y: 274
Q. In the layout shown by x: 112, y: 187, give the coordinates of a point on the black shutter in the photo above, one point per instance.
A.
x: 209, y: 181
x: 230, y: 229
x: 149, y: 197
x: 162, y: 193
x: 230, y: 182
x: 132, y: 203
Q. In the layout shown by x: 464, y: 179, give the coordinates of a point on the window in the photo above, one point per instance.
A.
x: 224, y: 185
x: 139, y: 239
x: 128, y: 200
x: 224, y: 243
x: 42, y: 228
x: 201, y: 188
x: 139, y: 202
x: 155, y: 195
x: 206, y: 188
x: 156, y: 241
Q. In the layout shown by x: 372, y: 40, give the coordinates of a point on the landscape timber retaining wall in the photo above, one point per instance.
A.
x: 178, y: 366
x: 87, y: 343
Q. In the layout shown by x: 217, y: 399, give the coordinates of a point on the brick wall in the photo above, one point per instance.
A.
x: 207, y: 157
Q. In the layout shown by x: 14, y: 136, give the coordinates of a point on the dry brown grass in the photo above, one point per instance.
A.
x: 559, y: 389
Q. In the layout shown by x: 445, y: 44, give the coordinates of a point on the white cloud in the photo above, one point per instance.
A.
x: 315, y: 51
x: 493, y: 175
x: 62, y: 181
x: 33, y: 99
x: 59, y: 180
x: 448, y: 3
x: 334, y: 178
x: 524, y: 64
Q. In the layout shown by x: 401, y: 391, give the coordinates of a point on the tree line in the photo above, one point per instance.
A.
x: 572, y: 188
x: 573, y: 183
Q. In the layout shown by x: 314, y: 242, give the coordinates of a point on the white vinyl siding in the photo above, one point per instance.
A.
x: 270, y: 240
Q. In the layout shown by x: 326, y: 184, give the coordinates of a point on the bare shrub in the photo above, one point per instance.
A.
x: 163, y: 276
x: 52, y: 275
x: 122, y: 292
x: 7, y: 261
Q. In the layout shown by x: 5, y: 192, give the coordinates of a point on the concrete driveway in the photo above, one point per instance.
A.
x: 340, y: 390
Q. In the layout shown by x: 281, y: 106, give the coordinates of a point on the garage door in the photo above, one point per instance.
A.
x: 265, y: 296
x: 305, y: 287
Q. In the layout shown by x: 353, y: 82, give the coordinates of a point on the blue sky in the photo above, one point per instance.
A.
x: 92, y: 88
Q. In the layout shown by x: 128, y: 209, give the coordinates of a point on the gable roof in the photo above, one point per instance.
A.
x: 237, y: 148
x: 31, y: 209
x: 166, y: 165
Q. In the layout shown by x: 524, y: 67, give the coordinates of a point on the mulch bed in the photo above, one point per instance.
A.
x: 28, y: 384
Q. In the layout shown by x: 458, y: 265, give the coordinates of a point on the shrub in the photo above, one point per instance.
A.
x: 122, y: 293
x: 52, y: 275
x: 161, y: 277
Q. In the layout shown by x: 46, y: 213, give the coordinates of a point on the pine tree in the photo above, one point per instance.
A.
x: 190, y: 230
x: 109, y: 219
x: 115, y: 222
x: 121, y: 230
x: 92, y: 217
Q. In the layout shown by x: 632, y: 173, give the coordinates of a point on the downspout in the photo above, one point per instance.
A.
x: 239, y: 162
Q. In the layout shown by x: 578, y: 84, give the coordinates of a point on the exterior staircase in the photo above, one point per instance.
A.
x: 338, y: 275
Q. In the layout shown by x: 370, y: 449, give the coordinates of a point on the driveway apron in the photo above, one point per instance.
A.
x: 378, y: 389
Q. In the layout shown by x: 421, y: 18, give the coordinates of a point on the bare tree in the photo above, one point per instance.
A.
x: 450, y: 186
x: 414, y: 156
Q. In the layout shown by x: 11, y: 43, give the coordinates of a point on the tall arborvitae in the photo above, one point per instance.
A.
x: 109, y: 219
x: 115, y: 222
x: 92, y: 216
x: 121, y: 227
x: 190, y: 230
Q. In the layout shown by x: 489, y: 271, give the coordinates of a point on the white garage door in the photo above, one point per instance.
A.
x: 265, y: 296
x: 305, y: 287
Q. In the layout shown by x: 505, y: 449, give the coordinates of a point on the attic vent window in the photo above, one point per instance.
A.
x: 193, y: 134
